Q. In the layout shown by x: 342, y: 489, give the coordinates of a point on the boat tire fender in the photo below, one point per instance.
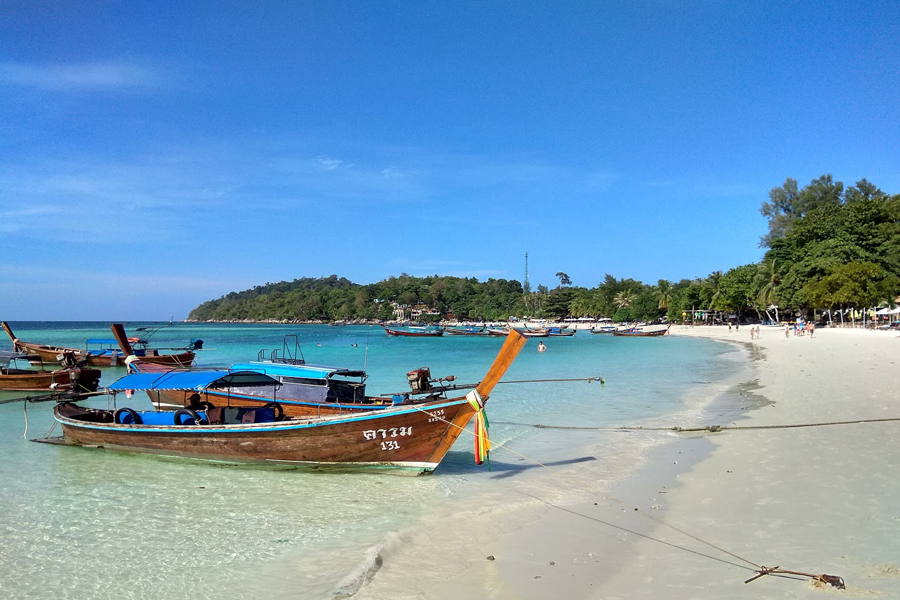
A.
x: 279, y: 410
x: 186, y: 416
x: 127, y: 416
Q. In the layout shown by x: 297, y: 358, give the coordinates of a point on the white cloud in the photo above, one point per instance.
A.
x: 391, y: 172
x: 109, y: 75
x: 330, y: 164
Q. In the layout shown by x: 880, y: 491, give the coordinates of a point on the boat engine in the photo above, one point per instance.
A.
x: 419, y: 380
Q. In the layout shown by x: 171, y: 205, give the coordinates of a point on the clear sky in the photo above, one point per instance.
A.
x: 154, y: 155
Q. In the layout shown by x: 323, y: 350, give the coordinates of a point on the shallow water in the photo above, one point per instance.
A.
x: 83, y: 523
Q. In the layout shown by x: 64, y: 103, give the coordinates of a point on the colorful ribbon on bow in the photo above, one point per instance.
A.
x: 482, y: 442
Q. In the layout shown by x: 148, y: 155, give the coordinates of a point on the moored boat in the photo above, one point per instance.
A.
x: 467, y: 330
x: 604, y: 329
x: 409, y: 438
x: 414, y: 331
x: 16, y: 375
x: 642, y: 331
x: 529, y: 332
x: 103, y: 356
x: 303, y: 389
x: 560, y: 332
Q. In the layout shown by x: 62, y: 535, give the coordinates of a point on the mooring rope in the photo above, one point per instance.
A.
x: 708, y: 428
x: 760, y: 570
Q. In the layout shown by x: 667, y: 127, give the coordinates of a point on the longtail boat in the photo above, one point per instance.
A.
x: 645, y: 331
x: 603, y: 329
x: 414, y: 331
x: 302, y: 389
x: 407, y: 438
x: 101, y: 357
x: 560, y: 332
x: 530, y: 332
x: 16, y: 374
x: 467, y: 330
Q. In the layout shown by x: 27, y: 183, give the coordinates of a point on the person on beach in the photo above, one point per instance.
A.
x: 729, y: 327
x: 787, y: 331
x: 757, y: 332
x: 541, y: 347
x: 752, y: 334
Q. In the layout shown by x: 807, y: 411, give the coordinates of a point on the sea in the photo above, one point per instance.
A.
x: 92, y: 524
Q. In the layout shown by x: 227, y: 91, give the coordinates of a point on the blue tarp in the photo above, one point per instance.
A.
x: 190, y: 380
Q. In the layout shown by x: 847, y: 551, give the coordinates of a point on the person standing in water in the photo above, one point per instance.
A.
x: 541, y: 347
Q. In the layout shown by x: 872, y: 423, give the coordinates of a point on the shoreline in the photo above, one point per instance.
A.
x: 816, y: 499
x: 516, y: 552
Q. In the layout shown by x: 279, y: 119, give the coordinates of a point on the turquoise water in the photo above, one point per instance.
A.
x: 91, y: 524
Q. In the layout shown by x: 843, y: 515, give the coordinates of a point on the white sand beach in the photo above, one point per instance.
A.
x: 822, y: 499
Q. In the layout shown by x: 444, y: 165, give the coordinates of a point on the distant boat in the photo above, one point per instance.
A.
x: 103, y: 355
x: 529, y: 332
x: 642, y: 331
x: 468, y: 330
x: 414, y: 331
x: 560, y: 331
x: 16, y: 375
x: 604, y: 329
x: 412, y: 438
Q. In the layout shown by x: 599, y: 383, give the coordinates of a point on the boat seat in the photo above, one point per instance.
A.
x: 224, y: 415
x: 258, y: 415
x: 216, y: 415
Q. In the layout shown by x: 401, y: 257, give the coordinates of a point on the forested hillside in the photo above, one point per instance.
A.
x: 827, y: 247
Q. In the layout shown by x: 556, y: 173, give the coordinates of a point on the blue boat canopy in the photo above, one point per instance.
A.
x: 190, y: 380
x: 300, y: 371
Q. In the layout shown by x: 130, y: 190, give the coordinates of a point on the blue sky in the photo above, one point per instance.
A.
x: 157, y: 155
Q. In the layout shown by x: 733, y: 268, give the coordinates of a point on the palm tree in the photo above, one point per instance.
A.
x: 624, y: 299
x: 767, y: 294
x: 580, y: 306
x: 664, y: 294
x: 714, y: 283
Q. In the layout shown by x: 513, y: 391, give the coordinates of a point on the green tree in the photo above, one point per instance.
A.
x: 856, y: 284
x: 768, y: 279
x: 663, y: 294
x: 713, y: 291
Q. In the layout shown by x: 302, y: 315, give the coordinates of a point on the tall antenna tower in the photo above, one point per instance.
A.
x: 527, y: 286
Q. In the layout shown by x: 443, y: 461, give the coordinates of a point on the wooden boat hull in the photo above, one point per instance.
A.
x: 411, y: 439
x: 404, y: 333
x: 50, y: 354
x: 62, y: 380
x: 529, y: 333
x: 641, y: 332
